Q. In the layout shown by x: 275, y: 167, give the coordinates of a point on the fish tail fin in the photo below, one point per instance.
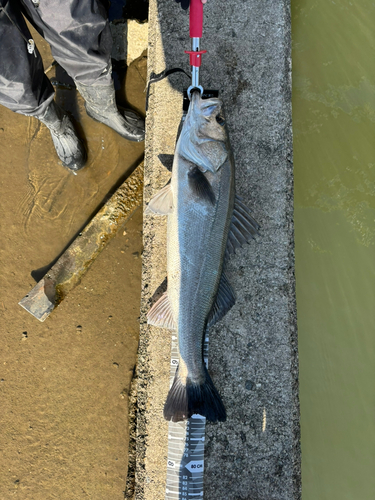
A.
x: 185, y: 400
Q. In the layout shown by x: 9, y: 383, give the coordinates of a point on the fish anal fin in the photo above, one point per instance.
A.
x: 161, y: 314
x: 225, y: 300
x: 162, y: 202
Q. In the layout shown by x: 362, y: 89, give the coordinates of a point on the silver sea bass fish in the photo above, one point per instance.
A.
x: 206, y: 223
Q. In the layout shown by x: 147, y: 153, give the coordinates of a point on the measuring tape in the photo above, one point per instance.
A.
x: 185, y: 462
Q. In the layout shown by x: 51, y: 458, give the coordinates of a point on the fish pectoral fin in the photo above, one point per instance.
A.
x: 243, y: 227
x: 200, y: 186
x: 161, y: 314
x: 225, y: 300
x: 162, y: 202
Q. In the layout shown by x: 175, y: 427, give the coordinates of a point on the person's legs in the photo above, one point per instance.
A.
x: 80, y: 38
x: 79, y: 35
x: 25, y: 89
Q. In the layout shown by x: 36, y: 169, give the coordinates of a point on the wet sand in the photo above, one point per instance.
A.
x: 64, y: 383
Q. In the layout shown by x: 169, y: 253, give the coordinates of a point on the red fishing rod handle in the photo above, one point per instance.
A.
x: 196, y: 18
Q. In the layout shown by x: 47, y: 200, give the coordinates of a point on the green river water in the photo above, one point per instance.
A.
x: 334, y: 161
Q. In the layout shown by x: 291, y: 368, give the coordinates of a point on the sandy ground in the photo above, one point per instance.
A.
x: 64, y: 383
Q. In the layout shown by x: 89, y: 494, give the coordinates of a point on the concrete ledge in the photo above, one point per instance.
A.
x: 253, y: 350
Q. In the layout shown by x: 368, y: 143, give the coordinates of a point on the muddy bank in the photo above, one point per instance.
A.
x: 64, y: 383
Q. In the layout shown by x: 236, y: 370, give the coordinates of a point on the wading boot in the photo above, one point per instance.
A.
x: 100, y: 105
x: 68, y: 147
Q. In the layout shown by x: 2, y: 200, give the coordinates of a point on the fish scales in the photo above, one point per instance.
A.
x: 197, y: 233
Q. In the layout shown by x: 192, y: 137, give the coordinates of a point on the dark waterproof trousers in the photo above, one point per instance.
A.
x: 80, y: 39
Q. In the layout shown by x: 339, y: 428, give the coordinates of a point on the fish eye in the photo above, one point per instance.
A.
x: 220, y: 120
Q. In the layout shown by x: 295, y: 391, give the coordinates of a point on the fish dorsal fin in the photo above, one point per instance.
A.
x: 243, y: 227
x: 224, y: 301
x: 161, y: 315
x: 162, y: 202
